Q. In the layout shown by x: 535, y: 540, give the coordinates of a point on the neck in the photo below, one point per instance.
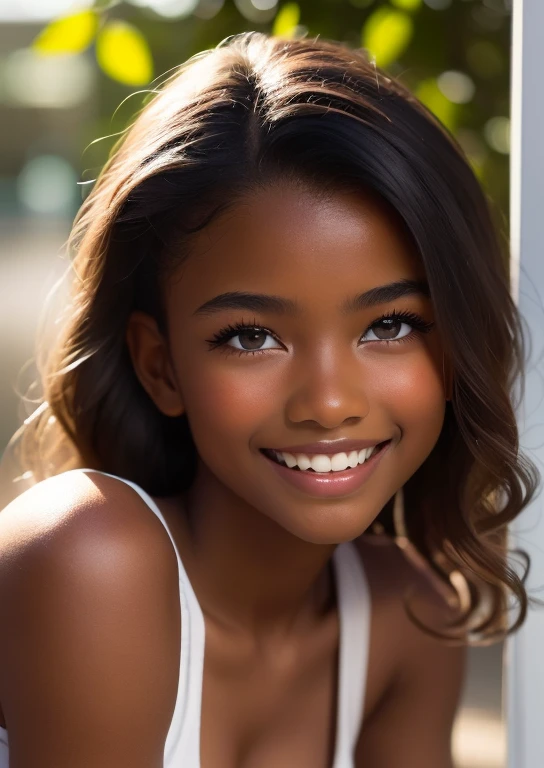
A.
x: 250, y: 573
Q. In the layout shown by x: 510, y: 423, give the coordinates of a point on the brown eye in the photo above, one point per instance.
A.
x: 253, y: 340
x: 388, y: 329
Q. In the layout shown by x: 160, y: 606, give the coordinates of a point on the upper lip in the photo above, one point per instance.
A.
x: 329, y: 447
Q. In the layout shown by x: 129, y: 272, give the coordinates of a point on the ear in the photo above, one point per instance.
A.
x: 151, y: 360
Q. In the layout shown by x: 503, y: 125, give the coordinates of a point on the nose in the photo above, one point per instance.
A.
x: 328, y: 389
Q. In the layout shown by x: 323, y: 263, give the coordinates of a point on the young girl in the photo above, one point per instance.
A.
x: 291, y: 347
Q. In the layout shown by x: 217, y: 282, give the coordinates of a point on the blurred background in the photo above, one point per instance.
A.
x: 72, y: 73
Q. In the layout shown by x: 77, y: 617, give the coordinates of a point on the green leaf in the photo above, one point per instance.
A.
x: 407, y: 5
x: 387, y: 34
x: 430, y: 94
x: 287, y: 20
x: 123, y: 53
x: 69, y: 34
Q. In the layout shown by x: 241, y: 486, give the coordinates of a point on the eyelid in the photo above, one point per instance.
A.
x: 418, y: 324
x: 230, y: 331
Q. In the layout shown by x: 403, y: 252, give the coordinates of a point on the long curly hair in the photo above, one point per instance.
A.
x: 235, y: 117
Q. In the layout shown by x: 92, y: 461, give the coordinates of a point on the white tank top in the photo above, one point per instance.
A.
x: 182, y: 746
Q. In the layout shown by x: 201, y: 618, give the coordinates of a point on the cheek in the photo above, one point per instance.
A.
x: 226, y: 404
x: 412, y: 393
x: 229, y: 403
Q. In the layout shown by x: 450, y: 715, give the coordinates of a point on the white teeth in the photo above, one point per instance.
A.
x: 339, y: 462
x: 323, y: 462
x: 289, y: 459
x: 303, y: 461
x: 353, y: 459
x: 320, y: 463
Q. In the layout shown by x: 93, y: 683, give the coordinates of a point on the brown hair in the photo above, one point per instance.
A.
x: 232, y: 118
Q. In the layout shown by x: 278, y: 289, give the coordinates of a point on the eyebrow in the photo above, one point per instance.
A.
x: 262, y: 302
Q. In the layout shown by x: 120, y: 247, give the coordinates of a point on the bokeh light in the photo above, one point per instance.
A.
x: 497, y: 134
x: 456, y: 86
x: 39, y: 10
x: 264, y: 5
x: 47, y: 185
x: 257, y: 11
x: 57, y: 82
x: 168, y: 8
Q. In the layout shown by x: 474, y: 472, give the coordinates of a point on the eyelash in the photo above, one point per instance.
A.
x: 419, y: 325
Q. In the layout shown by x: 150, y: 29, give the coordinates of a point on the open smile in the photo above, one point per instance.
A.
x: 327, y: 475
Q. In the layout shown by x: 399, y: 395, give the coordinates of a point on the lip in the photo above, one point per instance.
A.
x: 330, y: 484
x: 329, y: 447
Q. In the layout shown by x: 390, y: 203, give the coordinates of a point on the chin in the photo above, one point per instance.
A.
x: 329, y: 527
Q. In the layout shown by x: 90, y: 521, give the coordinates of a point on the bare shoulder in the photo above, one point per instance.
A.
x: 89, y: 647
x: 419, y: 676
x: 395, y: 583
x: 63, y: 503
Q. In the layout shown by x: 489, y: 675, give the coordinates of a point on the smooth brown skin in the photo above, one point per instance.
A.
x: 88, y: 576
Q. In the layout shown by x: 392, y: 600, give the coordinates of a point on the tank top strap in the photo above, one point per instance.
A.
x: 183, y: 739
x: 354, y: 612
x: 148, y: 500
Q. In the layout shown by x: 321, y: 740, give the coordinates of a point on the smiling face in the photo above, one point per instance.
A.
x: 324, y: 360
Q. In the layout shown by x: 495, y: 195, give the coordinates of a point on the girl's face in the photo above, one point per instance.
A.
x: 284, y: 335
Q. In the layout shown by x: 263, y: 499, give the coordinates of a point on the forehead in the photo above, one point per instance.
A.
x: 295, y: 242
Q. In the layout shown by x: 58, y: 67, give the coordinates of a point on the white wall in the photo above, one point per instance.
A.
x: 525, y: 652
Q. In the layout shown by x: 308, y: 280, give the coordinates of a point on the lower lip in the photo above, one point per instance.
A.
x: 330, y: 484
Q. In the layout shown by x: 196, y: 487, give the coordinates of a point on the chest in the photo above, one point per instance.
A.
x: 282, y: 710
x: 297, y: 704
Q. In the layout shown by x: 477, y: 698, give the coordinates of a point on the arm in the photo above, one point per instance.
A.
x: 89, y: 646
